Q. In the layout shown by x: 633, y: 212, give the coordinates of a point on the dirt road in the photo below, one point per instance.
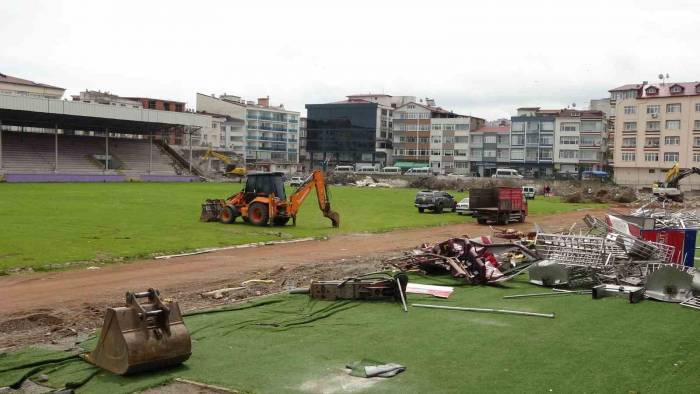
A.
x: 41, y: 300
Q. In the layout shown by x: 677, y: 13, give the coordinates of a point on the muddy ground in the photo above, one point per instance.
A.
x: 63, y: 307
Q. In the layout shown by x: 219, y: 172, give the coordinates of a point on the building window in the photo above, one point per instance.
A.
x: 696, y: 142
x: 151, y: 104
x: 462, y: 126
x: 673, y: 107
x: 651, y: 157
x: 517, y: 126
x: 568, y: 154
x: 652, y: 91
x: 652, y: 109
x: 546, y: 140
x: 546, y: 154
x: 696, y: 125
x: 435, y: 152
x: 437, y: 126
x: 448, y: 127
x: 697, y: 107
x: 674, y: 140
x: 517, y: 140
x: 516, y: 154
x: 676, y: 89
x: 568, y: 140
x: 630, y: 126
x: 673, y: 124
x: 568, y: 126
x: 651, y: 142
x: 630, y: 110
x: 490, y: 139
x: 489, y: 153
x: 547, y: 126
x: 628, y: 156
x: 629, y: 142
x: 437, y: 139
x: 461, y: 139
x: 654, y: 125
x: 460, y: 152
x: 671, y: 156
x: 696, y: 157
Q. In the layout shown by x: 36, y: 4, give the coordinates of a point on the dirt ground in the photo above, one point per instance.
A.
x: 63, y: 307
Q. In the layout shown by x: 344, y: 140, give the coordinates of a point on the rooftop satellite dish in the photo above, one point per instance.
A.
x: 661, y: 76
x: 573, y: 105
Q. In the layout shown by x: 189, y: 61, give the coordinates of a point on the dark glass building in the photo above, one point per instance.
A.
x: 343, y: 133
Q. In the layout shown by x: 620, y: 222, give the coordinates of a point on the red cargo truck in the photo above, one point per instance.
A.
x: 498, y: 204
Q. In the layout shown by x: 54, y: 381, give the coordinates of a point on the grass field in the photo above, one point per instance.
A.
x: 46, y: 224
x: 291, y: 344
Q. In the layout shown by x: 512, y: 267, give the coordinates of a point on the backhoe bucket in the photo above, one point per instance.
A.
x: 211, y: 210
x: 141, y: 337
x: 333, y: 216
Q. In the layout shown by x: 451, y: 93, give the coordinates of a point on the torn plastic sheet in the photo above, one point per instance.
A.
x: 434, y: 290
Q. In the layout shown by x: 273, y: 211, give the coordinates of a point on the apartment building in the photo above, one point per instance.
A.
x: 24, y: 87
x: 489, y: 149
x: 655, y: 126
x: 355, y: 131
x: 532, y: 142
x: 580, y: 141
x: 267, y: 135
x: 303, y: 154
x: 428, y: 135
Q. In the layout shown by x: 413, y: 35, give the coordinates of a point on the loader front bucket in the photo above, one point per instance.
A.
x: 141, y: 337
x: 211, y: 210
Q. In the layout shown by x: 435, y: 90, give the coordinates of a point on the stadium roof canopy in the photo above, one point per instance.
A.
x: 76, y: 115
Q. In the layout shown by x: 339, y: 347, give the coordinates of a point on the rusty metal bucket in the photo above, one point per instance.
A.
x: 211, y: 210
x: 141, y: 337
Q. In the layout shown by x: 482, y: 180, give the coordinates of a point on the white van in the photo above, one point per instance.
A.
x: 391, y: 170
x: 529, y: 192
x: 344, y: 169
x: 506, y: 173
x: 366, y: 170
x: 419, y: 171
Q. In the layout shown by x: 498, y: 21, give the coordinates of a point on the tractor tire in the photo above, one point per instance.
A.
x: 228, y: 215
x: 280, y: 221
x: 421, y: 210
x: 258, y: 214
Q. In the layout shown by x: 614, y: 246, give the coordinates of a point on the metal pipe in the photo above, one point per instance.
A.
x: 548, y: 294
x: 190, y: 161
x: 403, y: 300
x: 486, y: 310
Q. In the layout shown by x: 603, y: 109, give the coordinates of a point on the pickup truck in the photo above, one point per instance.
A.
x: 435, y: 201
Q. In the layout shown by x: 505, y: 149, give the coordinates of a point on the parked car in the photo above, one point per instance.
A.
x: 296, y: 181
x: 344, y: 169
x: 391, y: 170
x: 506, y: 173
x: 529, y: 192
x: 435, y: 201
x: 463, y: 207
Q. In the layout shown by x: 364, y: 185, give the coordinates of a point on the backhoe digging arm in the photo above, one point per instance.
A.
x: 315, y: 180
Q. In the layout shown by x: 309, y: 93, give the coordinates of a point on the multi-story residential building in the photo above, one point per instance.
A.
x: 159, y: 104
x: 427, y: 135
x: 489, y: 149
x: 655, y: 127
x: 532, y: 142
x: 106, y: 98
x: 303, y: 154
x: 267, y: 135
x: 25, y: 87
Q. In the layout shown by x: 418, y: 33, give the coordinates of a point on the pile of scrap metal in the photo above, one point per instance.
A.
x: 613, y: 261
x: 476, y: 260
x: 663, y: 216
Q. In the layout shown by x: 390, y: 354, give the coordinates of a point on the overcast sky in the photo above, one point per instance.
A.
x: 479, y: 58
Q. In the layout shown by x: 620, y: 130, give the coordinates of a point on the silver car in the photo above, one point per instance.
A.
x: 463, y: 207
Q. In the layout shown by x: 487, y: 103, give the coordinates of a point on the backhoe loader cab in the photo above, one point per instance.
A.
x: 263, y: 201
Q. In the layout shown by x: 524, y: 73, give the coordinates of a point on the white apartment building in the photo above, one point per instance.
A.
x: 24, y: 87
x: 655, y: 127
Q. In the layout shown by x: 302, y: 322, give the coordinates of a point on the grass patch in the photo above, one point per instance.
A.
x: 45, y: 224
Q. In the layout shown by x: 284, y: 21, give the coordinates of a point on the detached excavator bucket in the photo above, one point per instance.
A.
x: 141, y: 337
x: 333, y: 216
x: 211, y: 210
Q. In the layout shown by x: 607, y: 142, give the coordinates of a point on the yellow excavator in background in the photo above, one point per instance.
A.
x: 669, y: 189
x: 231, y: 169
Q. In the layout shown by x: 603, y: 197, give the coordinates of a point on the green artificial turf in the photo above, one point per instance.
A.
x: 290, y: 343
x: 45, y: 224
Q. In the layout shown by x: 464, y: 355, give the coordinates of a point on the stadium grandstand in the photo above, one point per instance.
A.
x: 46, y: 139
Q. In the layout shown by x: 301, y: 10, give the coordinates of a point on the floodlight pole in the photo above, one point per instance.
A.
x: 55, y: 148
x: 106, y: 150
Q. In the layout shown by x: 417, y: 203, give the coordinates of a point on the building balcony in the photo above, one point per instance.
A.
x: 477, y: 146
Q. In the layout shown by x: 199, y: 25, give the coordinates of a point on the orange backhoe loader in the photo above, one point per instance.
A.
x: 263, y: 201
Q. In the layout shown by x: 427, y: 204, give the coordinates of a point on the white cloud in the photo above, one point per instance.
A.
x: 484, y: 58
